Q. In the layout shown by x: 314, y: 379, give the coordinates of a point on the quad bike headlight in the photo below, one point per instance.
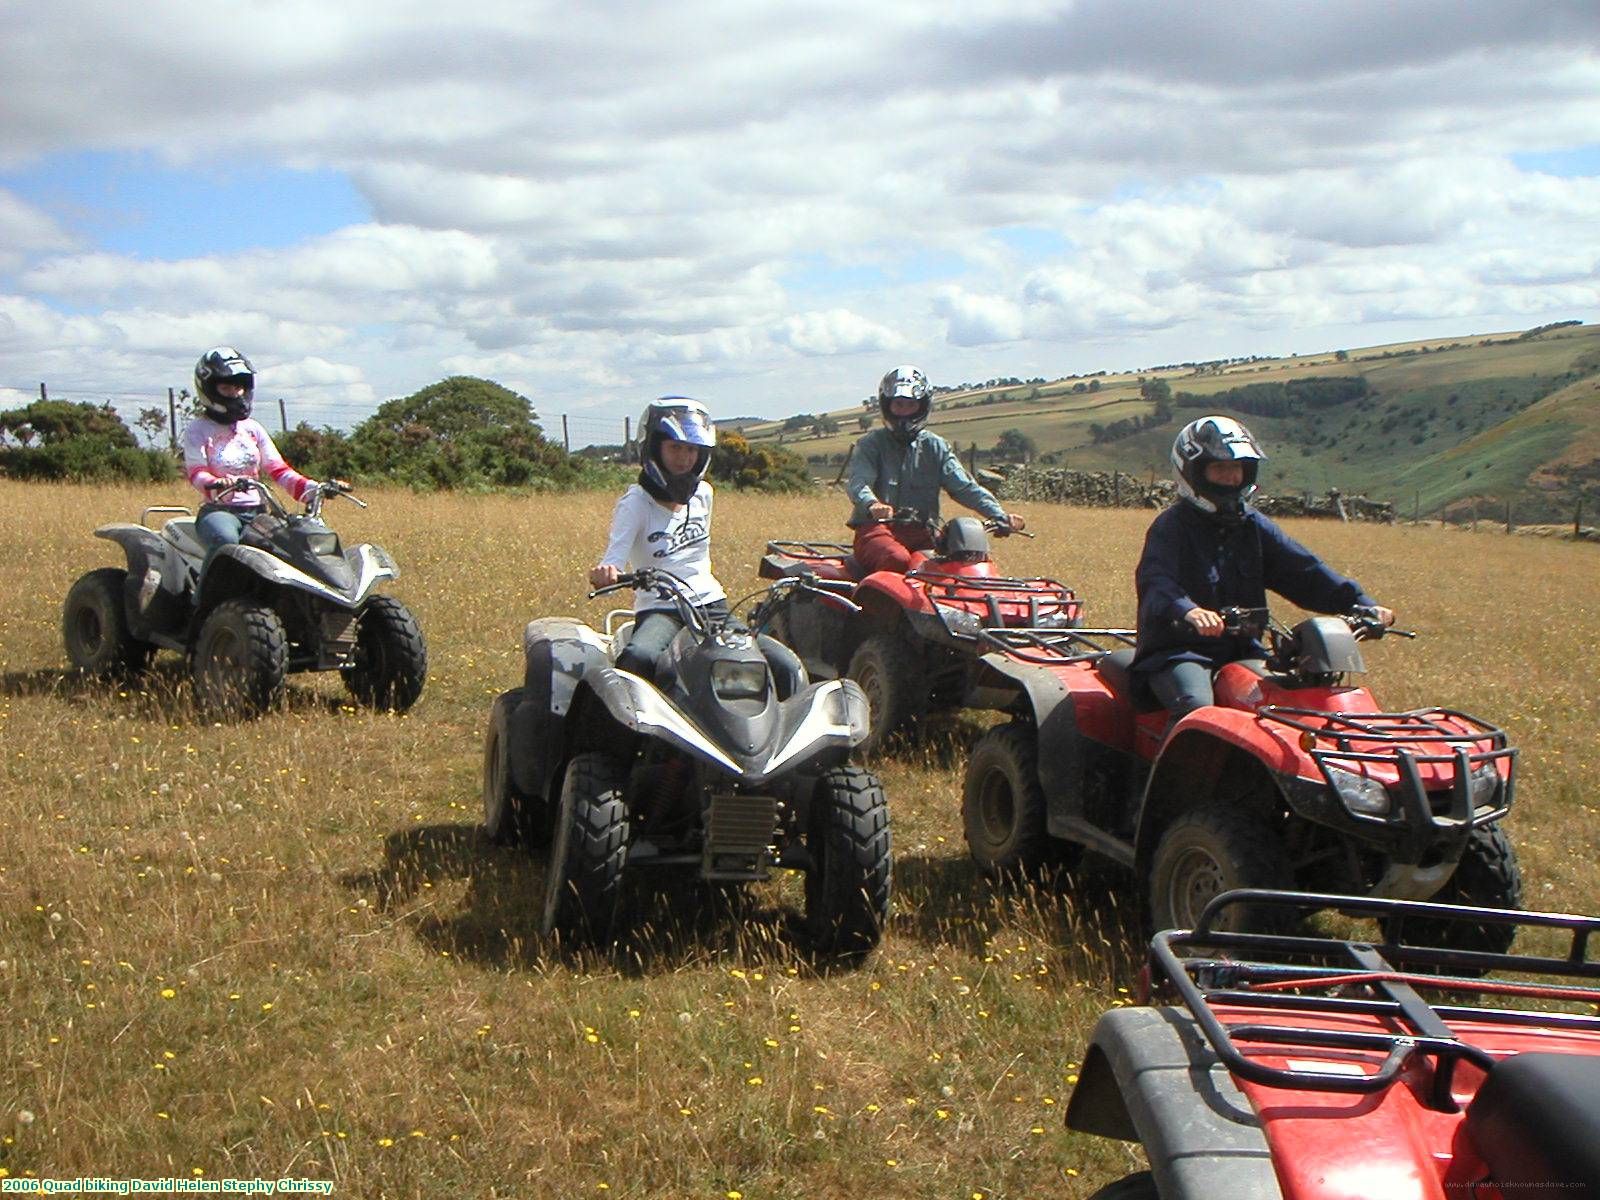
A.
x: 323, y: 543
x: 1482, y: 785
x: 1360, y: 794
x: 847, y: 706
x: 739, y: 680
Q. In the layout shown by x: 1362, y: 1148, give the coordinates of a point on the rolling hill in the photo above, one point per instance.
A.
x: 1446, y: 422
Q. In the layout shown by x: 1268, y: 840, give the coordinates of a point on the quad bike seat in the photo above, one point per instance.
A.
x: 1536, y: 1121
x: 1116, y: 668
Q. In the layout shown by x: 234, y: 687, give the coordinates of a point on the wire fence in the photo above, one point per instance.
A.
x: 175, y: 406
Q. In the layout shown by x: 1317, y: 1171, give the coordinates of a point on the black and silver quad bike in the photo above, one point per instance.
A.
x: 727, y: 765
x: 288, y: 597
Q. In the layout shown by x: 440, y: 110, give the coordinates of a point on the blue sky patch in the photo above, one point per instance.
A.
x: 1033, y: 241
x: 1579, y: 160
x: 130, y: 203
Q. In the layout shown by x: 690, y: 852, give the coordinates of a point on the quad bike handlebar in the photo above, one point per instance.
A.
x: 693, y: 613
x: 312, y: 497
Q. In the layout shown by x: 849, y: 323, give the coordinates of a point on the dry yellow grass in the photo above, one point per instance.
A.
x: 281, y: 949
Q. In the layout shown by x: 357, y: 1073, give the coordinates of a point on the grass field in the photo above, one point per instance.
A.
x: 281, y: 949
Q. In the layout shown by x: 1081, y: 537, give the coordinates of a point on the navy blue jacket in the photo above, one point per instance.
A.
x: 1193, y: 560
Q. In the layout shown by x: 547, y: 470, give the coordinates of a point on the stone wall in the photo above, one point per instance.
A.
x: 1118, y: 489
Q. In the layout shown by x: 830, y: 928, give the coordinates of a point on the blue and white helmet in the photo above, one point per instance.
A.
x: 678, y: 419
x: 1208, y: 440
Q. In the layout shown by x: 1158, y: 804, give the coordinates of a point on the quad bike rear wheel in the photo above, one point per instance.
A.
x: 847, y: 883
x: 508, y: 819
x: 1486, y: 876
x: 391, y: 659
x: 1223, y: 844
x: 583, y: 882
x: 1003, y: 807
x: 886, y: 668
x: 94, y: 627
x: 240, y: 660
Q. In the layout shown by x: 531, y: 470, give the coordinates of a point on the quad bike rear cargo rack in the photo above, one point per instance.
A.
x: 1273, y: 972
x: 1053, y: 647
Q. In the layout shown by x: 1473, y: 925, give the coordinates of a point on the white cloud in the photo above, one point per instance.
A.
x: 591, y: 199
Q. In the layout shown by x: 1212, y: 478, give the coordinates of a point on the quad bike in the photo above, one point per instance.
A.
x: 1317, y: 1068
x: 913, y: 641
x: 727, y: 764
x: 288, y: 597
x: 1292, y: 778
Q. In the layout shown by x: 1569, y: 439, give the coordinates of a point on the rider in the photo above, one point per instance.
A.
x: 904, y: 466
x: 226, y: 445
x: 1211, y: 550
x: 664, y: 521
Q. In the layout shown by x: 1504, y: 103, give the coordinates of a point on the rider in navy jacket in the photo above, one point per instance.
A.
x: 1211, y: 551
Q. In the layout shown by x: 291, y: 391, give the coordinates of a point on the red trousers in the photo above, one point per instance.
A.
x: 890, y: 547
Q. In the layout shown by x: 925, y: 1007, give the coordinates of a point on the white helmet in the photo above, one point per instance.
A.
x: 1208, y: 440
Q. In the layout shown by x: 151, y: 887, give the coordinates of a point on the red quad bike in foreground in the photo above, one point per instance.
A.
x: 1331, y: 1069
x: 915, y: 643
x: 1293, y: 778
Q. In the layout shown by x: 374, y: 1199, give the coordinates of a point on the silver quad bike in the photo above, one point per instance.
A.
x: 288, y: 597
x: 727, y: 765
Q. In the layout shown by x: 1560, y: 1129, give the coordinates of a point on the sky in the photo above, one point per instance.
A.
x: 770, y: 205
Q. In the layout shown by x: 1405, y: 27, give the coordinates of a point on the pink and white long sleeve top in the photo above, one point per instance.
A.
x: 213, y: 451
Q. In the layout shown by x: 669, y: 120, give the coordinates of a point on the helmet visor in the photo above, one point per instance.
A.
x: 690, y: 425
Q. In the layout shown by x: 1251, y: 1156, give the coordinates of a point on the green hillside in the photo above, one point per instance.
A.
x: 1444, y: 422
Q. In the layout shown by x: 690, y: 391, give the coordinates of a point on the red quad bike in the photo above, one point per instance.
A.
x: 1293, y: 778
x: 915, y: 643
x: 1329, y: 1069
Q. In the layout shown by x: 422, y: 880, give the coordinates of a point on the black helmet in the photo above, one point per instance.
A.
x: 679, y: 419
x: 1208, y: 440
x: 218, y: 365
x: 964, y: 539
x: 900, y: 383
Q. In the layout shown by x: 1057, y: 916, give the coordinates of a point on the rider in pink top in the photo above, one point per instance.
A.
x: 226, y: 446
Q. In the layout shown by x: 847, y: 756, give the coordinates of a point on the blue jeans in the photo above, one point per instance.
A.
x: 221, y: 524
x: 653, y: 631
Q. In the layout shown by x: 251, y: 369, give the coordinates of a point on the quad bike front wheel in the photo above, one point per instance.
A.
x: 94, y: 627
x: 847, y: 883
x: 508, y: 819
x: 583, y: 882
x: 1003, y: 808
x: 886, y: 668
x: 1215, y: 847
x: 391, y: 659
x: 239, y: 660
x: 1486, y: 876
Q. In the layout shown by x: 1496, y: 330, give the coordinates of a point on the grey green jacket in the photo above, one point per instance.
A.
x: 912, y: 476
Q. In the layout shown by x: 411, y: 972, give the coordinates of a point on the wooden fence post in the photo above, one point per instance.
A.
x: 172, y: 420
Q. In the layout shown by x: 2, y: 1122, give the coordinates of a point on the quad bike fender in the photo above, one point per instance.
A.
x: 164, y: 613
x: 889, y: 593
x: 558, y: 653
x: 1150, y: 1076
x: 232, y: 566
x: 826, y: 716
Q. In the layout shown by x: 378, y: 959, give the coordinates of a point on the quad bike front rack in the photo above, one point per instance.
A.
x: 1246, y: 971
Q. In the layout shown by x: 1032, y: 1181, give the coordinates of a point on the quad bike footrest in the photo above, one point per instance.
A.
x: 739, y: 832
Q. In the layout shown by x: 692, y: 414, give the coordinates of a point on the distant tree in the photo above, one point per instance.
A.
x: 1094, y: 385
x: 76, y: 441
x: 863, y: 422
x: 455, y: 407
x: 1156, y: 391
x: 1016, y: 445
x: 798, y: 422
x: 153, y: 422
